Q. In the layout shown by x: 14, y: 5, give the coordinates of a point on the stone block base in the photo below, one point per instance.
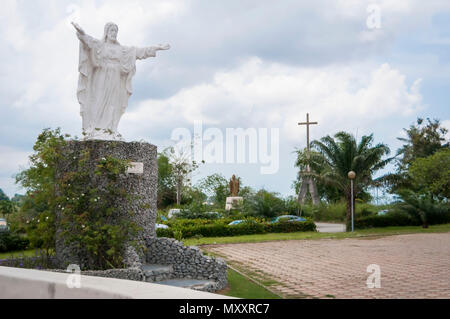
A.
x: 232, y: 202
x: 140, y: 183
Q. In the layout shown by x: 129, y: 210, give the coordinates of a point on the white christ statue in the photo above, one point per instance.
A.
x: 105, y: 83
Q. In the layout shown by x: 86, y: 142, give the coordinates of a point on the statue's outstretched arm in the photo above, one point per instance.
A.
x: 78, y: 28
x: 144, y: 53
x: 86, y: 39
x: 163, y: 47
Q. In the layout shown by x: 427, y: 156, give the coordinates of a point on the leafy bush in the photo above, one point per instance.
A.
x: 432, y: 174
x: 209, y: 230
x: 291, y: 206
x: 264, y: 204
x: 183, y: 223
x: 11, y: 241
x: 162, y: 232
x: 290, y: 227
x: 414, y: 210
x: 424, y: 207
x: 396, y: 218
x: 249, y: 227
x: 326, y: 212
x: 216, y: 187
x: 220, y: 228
x: 196, y: 214
x: 335, y: 212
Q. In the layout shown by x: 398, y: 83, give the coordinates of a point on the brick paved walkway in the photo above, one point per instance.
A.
x: 412, y: 266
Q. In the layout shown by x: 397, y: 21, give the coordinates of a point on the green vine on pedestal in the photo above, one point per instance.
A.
x: 89, y: 217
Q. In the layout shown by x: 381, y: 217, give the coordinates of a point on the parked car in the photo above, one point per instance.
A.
x: 161, y: 226
x: 241, y: 221
x: 3, y: 224
x: 289, y: 218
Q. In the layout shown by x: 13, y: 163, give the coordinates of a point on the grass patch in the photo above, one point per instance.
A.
x: 383, y: 231
x: 14, y: 254
x: 25, y: 253
x: 241, y: 287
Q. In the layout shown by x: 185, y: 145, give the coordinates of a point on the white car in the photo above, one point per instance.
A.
x: 161, y: 226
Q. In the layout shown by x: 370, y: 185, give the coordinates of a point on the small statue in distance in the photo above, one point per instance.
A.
x: 234, y: 186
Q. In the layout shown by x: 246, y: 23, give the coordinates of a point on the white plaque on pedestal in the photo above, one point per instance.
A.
x: 136, y: 168
x: 232, y: 202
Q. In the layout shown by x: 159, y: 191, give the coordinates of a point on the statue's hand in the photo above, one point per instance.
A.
x: 78, y: 28
x: 164, y: 47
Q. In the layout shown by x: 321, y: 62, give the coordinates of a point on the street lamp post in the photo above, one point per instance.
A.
x: 352, y: 176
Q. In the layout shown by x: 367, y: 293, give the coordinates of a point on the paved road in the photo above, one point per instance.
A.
x: 330, y: 228
x: 412, y: 266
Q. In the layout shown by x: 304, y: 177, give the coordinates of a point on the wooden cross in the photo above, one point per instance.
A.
x: 307, y: 123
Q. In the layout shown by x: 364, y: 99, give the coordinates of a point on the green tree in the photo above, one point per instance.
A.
x: 18, y: 199
x: 166, y: 183
x: 7, y: 208
x: 216, y: 187
x: 3, y: 196
x: 264, y: 204
x: 193, y: 196
x: 332, y: 159
x: 431, y: 174
x: 40, y: 182
x: 424, y: 207
x: 422, y: 140
x: 182, y: 168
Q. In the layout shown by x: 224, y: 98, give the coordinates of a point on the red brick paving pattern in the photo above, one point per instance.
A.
x: 412, y: 266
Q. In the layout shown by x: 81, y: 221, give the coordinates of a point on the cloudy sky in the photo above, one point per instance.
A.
x: 233, y: 64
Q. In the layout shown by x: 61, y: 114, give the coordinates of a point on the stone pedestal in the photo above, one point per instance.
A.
x: 140, y: 182
x: 233, y: 202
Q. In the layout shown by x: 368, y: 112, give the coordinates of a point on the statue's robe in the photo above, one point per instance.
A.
x: 105, y: 84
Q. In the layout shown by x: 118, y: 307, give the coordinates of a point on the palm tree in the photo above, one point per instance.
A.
x: 332, y: 158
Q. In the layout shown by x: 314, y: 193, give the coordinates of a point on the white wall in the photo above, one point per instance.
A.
x: 17, y: 283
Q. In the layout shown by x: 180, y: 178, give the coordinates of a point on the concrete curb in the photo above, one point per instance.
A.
x: 17, y: 283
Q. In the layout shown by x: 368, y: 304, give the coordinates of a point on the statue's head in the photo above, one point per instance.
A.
x: 111, y: 31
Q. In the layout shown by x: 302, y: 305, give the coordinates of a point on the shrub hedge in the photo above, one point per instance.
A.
x: 390, y: 219
x: 10, y: 241
x: 207, y: 228
x: 399, y: 218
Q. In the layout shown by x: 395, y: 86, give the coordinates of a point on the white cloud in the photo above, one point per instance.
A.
x: 41, y: 70
x: 12, y: 161
x: 315, y: 57
x: 264, y: 94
